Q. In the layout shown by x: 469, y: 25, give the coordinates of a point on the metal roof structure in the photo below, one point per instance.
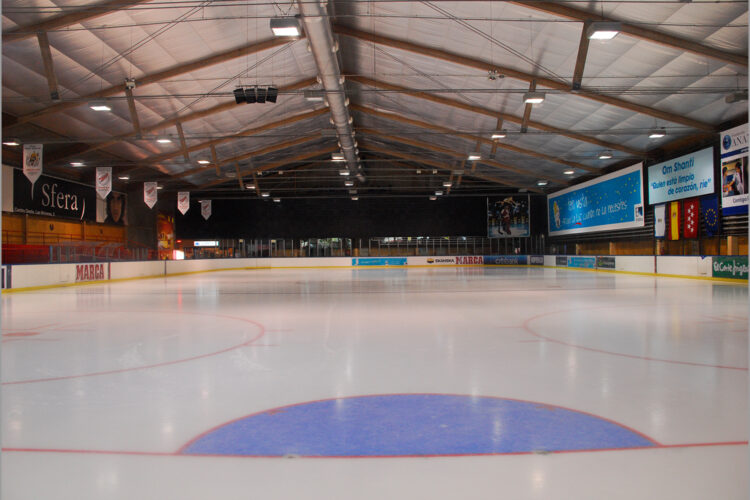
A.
x: 410, y: 89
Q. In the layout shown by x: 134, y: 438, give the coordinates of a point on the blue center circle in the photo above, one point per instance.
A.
x: 414, y: 425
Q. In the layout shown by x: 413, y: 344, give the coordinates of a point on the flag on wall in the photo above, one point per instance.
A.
x: 710, y: 210
x: 660, y: 220
x: 674, y: 220
x: 691, y: 208
x: 183, y: 201
x: 206, y: 209
x: 149, y: 194
x: 103, y: 181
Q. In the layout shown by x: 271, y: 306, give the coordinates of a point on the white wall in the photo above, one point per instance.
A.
x: 306, y: 262
x: 23, y: 276
x: 635, y: 263
x: 121, y: 270
x: 192, y: 266
x: 683, y: 265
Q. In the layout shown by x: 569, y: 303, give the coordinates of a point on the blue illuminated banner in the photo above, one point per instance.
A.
x: 684, y: 177
x: 613, y: 201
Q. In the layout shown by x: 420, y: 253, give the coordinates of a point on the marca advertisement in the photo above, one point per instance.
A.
x: 683, y: 177
x: 613, y: 201
x: 730, y: 267
x: 734, y: 190
x: 508, y: 217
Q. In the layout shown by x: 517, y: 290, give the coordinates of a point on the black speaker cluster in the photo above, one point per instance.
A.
x: 250, y: 95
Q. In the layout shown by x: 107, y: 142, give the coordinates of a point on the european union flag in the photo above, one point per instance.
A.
x: 710, y: 211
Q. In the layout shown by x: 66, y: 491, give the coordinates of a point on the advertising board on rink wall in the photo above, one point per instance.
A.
x: 734, y: 189
x: 683, y: 177
x: 730, y: 267
x: 613, y: 201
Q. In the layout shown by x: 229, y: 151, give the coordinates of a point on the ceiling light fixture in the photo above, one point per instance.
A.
x: 603, y: 30
x: 76, y: 163
x: 500, y: 134
x: 657, y: 133
x: 12, y: 142
x: 569, y: 172
x: 533, y: 97
x: 355, y: 198
x: 314, y: 95
x: 164, y: 140
x: 249, y: 186
x: 277, y: 200
x: 285, y: 26
x: 159, y: 187
x: 605, y: 155
x: 203, y: 162
x: 541, y: 183
x: 447, y: 184
x: 99, y: 106
x: 349, y: 183
x: 337, y: 157
x: 344, y: 172
x: 433, y: 198
x: 124, y: 177
x: 471, y: 157
x: 265, y: 195
x: 438, y: 193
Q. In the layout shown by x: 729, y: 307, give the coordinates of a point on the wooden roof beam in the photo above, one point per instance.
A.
x: 49, y: 68
x: 519, y: 75
x: 484, y: 140
x: 583, y: 51
x: 456, y: 154
x: 495, y: 114
x: 159, y: 76
x: 57, y: 22
x: 637, y: 31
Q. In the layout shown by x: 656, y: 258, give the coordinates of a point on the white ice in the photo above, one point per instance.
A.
x: 102, y: 384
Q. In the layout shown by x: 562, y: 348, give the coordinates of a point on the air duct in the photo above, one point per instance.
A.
x: 318, y: 31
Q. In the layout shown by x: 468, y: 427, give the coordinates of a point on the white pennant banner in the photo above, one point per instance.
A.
x: 183, y: 201
x: 660, y: 220
x: 32, y: 163
x: 149, y: 194
x: 206, y: 209
x: 103, y: 181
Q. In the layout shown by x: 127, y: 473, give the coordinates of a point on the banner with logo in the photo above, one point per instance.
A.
x: 613, y: 201
x: 206, y: 209
x: 683, y: 177
x: 32, y: 163
x: 691, y: 208
x: 505, y: 260
x: 103, y: 181
x: 660, y: 221
x: 54, y: 197
x: 183, y: 201
x: 508, y: 217
x: 149, y: 194
x: 734, y: 189
x: 730, y: 267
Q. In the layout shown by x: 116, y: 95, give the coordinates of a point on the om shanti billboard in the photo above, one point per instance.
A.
x: 613, y: 201
x: 684, y: 177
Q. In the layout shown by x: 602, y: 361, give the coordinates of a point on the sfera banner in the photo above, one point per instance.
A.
x: 683, y: 177
x: 613, y: 201
x: 508, y: 217
x: 55, y: 197
x: 734, y: 189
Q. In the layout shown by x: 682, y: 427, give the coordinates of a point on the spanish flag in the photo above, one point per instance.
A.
x: 674, y: 220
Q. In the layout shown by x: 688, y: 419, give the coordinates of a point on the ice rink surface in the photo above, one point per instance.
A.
x: 444, y: 383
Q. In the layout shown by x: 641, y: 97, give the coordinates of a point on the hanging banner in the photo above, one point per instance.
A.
x: 691, y: 208
x: 683, y: 177
x: 674, y: 220
x: 206, y: 209
x: 149, y: 194
x: 710, y: 210
x: 183, y: 201
x: 508, y: 217
x: 734, y: 189
x: 660, y: 221
x: 612, y: 201
x: 32, y: 163
x: 103, y: 181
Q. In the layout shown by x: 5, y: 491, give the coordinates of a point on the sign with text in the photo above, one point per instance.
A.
x: 730, y: 267
x: 55, y: 197
x: 734, y: 189
x: 683, y: 177
x: 613, y: 201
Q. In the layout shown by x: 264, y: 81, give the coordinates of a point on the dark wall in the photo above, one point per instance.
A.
x: 309, y: 218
